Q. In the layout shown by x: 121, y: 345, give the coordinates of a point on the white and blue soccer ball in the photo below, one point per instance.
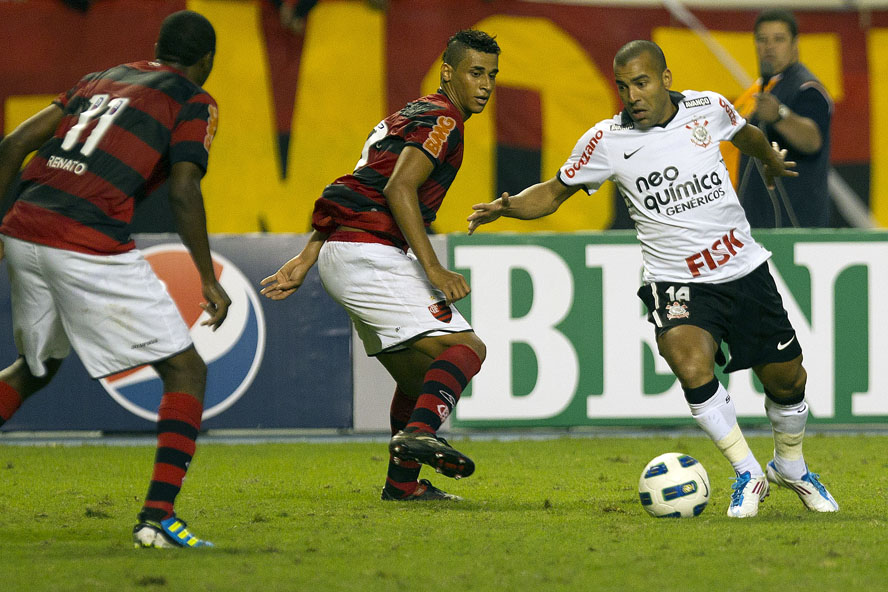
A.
x: 674, y: 485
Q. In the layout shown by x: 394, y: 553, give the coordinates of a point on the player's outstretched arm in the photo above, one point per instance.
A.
x: 751, y: 141
x: 186, y: 201
x: 534, y: 202
x: 290, y: 276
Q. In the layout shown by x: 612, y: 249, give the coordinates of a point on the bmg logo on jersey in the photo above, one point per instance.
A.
x: 233, y: 353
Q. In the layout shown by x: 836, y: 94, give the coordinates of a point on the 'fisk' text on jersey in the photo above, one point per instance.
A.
x: 718, y: 254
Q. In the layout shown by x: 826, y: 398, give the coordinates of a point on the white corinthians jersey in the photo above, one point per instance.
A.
x: 688, y: 219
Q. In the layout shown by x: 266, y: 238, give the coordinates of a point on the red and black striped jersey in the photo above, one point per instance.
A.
x: 431, y: 123
x: 121, y: 131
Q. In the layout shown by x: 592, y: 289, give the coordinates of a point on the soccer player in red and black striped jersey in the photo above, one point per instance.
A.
x: 75, y: 274
x: 400, y: 301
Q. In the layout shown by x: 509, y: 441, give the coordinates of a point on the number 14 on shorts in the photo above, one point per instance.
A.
x: 682, y: 293
x: 675, y: 309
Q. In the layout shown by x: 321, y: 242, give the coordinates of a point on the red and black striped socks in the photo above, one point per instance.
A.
x: 178, y: 423
x: 401, y: 479
x: 447, y: 376
x: 10, y: 401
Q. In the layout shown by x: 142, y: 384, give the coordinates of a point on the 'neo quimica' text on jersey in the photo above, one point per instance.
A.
x: 688, y: 219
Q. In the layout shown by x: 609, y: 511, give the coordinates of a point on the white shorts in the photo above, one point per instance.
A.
x: 386, y: 293
x: 112, y: 308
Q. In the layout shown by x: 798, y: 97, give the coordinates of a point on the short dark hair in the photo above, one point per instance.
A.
x: 185, y: 37
x: 634, y: 49
x: 778, y: 15
x: 465, y: 40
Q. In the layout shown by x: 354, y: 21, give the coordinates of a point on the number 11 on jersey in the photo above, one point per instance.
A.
x: 99, y: 106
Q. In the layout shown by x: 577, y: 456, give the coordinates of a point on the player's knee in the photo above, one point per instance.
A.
x: 480, y: 349
x: 18, y: 376
x: 473, y: 342
x: 691, y: 371
x: 185, y: 372
x: 788, y: 389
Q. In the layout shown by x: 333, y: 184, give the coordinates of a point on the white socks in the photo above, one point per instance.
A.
x: 718, y: 418
x: 788, y: 423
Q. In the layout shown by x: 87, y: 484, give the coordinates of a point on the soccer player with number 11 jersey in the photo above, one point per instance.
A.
x: 77, y: 278
x: 706, y: 280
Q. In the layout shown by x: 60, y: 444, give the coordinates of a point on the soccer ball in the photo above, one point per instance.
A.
x: 674, y: 485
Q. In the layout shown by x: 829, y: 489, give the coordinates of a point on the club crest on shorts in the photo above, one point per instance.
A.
x: 233, y: 353
x: 441, y: 311
x: 699, y: 134
x: 677, y: 310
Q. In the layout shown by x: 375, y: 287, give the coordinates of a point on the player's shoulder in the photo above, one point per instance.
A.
x: 700, y: 99
x: 696, y: 104
x: 428, y: 105
x: 593, y: 141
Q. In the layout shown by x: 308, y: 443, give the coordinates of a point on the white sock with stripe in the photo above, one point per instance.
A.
x: 788, y: 423
x: 718, y: 418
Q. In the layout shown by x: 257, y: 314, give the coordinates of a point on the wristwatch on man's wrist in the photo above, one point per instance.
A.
x: 782, y: 112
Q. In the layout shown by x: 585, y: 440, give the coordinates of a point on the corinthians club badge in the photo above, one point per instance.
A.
x: 699, y: 134
x: 677, y: 310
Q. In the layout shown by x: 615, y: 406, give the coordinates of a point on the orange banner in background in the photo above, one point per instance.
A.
x: 294, y: 112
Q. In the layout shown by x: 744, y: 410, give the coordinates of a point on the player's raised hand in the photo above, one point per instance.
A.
x: 778, y: 166
x: 485, y: 213
x: 286, y: 280
x: 216, y: 305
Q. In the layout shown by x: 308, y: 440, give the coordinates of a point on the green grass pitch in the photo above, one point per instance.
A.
x: 557, y: 514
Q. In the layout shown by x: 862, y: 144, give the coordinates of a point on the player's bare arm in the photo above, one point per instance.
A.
x: 536, y: 201
x: 290, y: 276
x: 411, y: 171
x: 751, y: 141
x: 186, y: 202
x: 26, y: 138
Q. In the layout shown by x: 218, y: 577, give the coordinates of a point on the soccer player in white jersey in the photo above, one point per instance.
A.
x: 706, y: 280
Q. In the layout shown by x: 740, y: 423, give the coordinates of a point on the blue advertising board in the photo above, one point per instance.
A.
x: 282, y: 364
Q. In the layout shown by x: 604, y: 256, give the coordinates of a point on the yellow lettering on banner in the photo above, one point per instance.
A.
x: 536, y: 55
x: 243, y: 184
x: 331, y: 120
x: 19, y: 108
x: 877, y: 58
x: 695, y: 67
x: 242, y: 179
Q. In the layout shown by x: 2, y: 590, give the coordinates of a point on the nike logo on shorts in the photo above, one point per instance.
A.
x: 629, y: 155
x: 783, y: 346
